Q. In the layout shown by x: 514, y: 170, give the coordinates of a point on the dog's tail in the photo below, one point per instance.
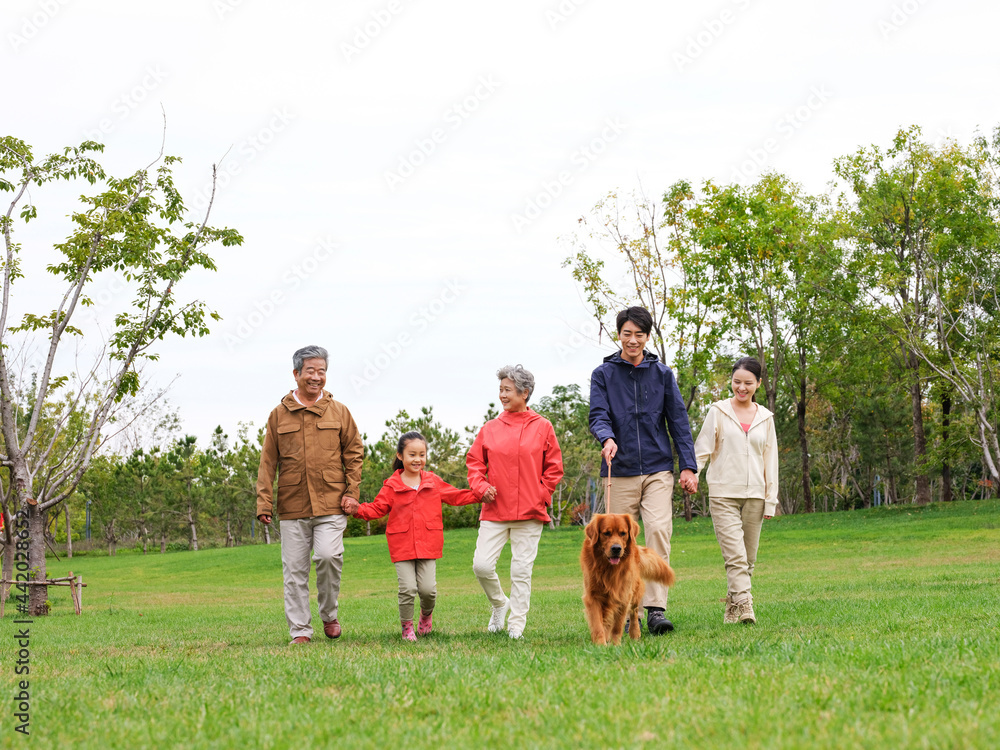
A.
x: 653, y: 568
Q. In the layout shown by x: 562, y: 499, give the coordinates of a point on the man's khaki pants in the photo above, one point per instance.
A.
x: 524, y: 536
x: 416, y: 578
x: 650, y: 497
x: 323, y: 538
x: 737, y: 523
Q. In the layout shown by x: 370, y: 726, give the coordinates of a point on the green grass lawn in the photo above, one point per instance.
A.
x: 876, y: 629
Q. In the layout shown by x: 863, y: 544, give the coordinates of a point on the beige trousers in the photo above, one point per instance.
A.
x: 523, y: 536
x: 737, y: 523
x: 323, y: 538
x: 416, y: 578
x: 651, y: 498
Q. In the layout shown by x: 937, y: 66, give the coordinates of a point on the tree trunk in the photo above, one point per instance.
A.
x: 163, y: 542
x: 803, y: 438
x: 194, y: 530
x: 229, y: 531
x: 37, y: 595
x: 8, y: 557
x: 112, y: 539
x: 69, y: 534
x: 267, y: 533
x: 946, y: 495
x: 145, y: 536
x: 923, y: 496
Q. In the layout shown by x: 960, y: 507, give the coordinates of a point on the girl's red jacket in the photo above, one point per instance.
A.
x: 415, y: 529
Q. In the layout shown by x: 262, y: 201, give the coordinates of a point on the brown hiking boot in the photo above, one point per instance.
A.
x: 732, y: 613
x: 745, y: 611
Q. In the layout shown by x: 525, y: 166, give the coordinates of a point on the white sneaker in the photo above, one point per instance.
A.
x: 515, y: 634
x: 498, y: 617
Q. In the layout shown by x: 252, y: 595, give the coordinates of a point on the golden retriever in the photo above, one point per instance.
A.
x: 614, y: 570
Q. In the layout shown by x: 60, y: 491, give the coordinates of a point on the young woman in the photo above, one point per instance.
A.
x: 739, y: 443
x: 412, y: 497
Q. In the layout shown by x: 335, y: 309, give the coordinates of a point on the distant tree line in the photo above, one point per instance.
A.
x: 873, y: 308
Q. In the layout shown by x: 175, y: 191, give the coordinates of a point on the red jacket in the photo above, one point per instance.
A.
x: 518, y: 454
x: 415, y: 529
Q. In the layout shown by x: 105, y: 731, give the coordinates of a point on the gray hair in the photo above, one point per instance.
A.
x: 524, y: 381
x: 309, y: 352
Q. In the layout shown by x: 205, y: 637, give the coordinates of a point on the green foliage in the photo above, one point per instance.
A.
x: 874, y: 312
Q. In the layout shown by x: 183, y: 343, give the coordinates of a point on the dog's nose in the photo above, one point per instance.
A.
x: 616, y: 550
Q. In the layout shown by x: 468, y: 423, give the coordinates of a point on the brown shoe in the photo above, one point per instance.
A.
x: 746, y: 613
x: 300, y: 639
x: 732, y: 613
x: 332, y: 629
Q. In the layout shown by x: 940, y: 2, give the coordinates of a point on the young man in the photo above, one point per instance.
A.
x: 314, y: 444
x: 634, y: 402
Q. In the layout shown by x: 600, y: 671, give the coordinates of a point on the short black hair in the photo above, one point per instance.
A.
x: 638, y: 315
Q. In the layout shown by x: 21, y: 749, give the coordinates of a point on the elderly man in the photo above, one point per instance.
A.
x: 315, y: 446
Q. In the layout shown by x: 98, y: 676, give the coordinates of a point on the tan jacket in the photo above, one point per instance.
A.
x: 317, y: 452
x: 743, y: 464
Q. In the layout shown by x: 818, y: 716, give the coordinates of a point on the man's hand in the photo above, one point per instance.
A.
x: 350, y: 506
x: 610, y: 450
x: 490, y: 495
x: 689, y: 481
x: 265, y: 519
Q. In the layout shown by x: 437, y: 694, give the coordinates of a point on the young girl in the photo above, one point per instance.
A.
x: 412, y: 498
x: 738, y: 437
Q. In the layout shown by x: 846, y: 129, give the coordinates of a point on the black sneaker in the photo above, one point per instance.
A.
x: 656, y: 623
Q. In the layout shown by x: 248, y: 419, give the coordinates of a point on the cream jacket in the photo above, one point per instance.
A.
x: 741, y: 464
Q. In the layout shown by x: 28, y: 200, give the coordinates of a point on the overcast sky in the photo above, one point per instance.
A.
x: 402, y: 171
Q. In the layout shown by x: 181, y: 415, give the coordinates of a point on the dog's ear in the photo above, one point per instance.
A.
x: 593, y: 529
x: 633, y: 529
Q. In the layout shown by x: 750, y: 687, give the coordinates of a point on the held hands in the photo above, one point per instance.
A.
x: 490, y: 495
x: 610, y: 450
x: 689, y: 481
x: 349, y: 505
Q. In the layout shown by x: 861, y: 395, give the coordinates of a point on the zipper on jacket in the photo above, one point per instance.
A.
x: 638, y: 441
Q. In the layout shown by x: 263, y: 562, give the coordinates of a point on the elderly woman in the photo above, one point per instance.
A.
x: 519, y: 455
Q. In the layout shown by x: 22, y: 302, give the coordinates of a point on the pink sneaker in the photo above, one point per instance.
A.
x: 408, y: 634
x: 425, y: 626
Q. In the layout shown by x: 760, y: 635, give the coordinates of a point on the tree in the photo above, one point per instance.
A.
x: 569, y: 413
x: 893, y: 218
x: 960, y: 274
x: 136, y: 227
x: 665, y: 274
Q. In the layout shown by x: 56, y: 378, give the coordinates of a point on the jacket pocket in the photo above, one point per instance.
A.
x: 289, y: 438
x: 289, y: 478
x: 435, y: 524
x: 333, y: 476
x: 328, y: 435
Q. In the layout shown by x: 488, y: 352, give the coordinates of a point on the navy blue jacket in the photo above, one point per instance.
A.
x: 633, y: 404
